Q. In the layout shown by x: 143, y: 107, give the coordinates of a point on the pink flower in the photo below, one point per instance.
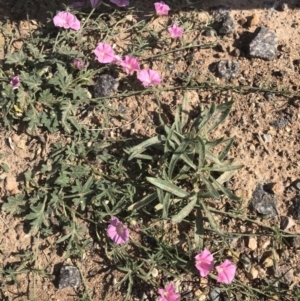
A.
x: 204, y: 262
x: 226, y: 271
x: 130, y: 64
x: 168, y: 293
x: 175, y: 31
x: 94, y: 3
x: 78, y: 64
x: 117, y: 231
x: 104, y: 53
x: 161, y: 8
x: 149, y: 77
x: 117, y: 59
x: 15, y: 82
x: 120, y: 3
x: 66, y: 20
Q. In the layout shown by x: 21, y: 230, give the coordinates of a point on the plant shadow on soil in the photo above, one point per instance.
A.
x: 39, y: 10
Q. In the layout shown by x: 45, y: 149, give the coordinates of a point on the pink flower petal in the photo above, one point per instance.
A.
x: 117, y: 231
x: 168, y: 293
x: 161, y: 8
x: 226, y: 272
x: 149, y: 77
x: 130, y: 64
x: 204, y: 262
x: 175, y: 31
x: 15, y: 82
x: 66, y: 20
x: 104, y: 53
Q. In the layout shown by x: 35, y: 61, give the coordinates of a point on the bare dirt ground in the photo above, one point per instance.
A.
x: 266, y: 128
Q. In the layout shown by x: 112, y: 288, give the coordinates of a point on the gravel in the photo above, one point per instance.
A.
x: 263, y: 202
x: 69, y: 276
x: 264, y: 45
x: 105, y: 85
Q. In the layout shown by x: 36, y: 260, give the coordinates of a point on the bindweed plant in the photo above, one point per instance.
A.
x: 187, y: 166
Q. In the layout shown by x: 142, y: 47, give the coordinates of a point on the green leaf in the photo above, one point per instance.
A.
x: 37, y: 217
x: 166, y: 205
x: 32, y: 80
x: 168, y: 186
x: 15, y: 204
x: 143, y: 202
x: 222, y: 110
x: 185, y: 111
x: 212, y: 144
x: 226, y: 191
x: 203, y: 118
x: 225, y: 151
x: 185, y: 211
x: 222, y: 168
x: 63, y: 180
x: 199, y: 230
x: 210, y: 217
x: 200, y: 149
x: 16, y: 58
x: 177, y: 154
x: 4, y: 166
x: 213, y: 192
x: 136, y: 150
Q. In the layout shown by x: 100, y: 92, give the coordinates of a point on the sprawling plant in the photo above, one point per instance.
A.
x: 187, y: 166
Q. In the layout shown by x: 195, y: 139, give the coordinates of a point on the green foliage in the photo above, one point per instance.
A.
x: 51, y: 91
x: 188, y: 166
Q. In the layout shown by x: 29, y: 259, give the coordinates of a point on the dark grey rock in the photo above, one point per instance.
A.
x: 296, y: 242
x: 227, y: 24
x: 297, y: 184
x: 227, y: 69
x: 69, y: 276
x: 105, y: 85
x: 170, y: 67
x: 215, y: 294
x: 209, y: 32
x: 264, y: 45
x: 269, y: 96
x: 280, y: 123
x: 224, y: 22
x: 296, y: 207
x: 122, y: 109
x: 263, y: 202
x: 245, y: 261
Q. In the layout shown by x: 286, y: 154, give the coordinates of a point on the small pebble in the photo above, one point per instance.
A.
x: 69, y: 276
x: 296, y: 207
x: 122, y: 109
x: 209, y: 32
x: 215, y: 294
x: 170, y: 67
x: 264, y: 45
x: 267, y: 138
x: 269, y: 96
x: 263, y: 202
x: 227, y: 69
x: 105, y: 85
x: 284, y: 6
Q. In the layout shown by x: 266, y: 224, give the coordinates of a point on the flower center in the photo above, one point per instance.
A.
x: 120, y: 229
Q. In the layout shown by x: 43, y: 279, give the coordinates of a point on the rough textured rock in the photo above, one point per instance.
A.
x: 224, y: 20
x: 296, y: 207
x: 105, y: 85
x: 69, y: 276
x: 263, y: 202
x: 264, y: 45
x: 227, y: 69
